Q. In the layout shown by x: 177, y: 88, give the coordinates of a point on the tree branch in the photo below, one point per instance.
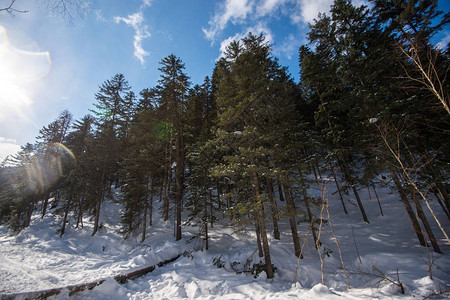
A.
x: 11, y: 10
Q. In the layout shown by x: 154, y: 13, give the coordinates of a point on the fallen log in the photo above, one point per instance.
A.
x: 73, y: 289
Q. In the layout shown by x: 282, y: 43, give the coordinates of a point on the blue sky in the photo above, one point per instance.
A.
x: 48, y: 65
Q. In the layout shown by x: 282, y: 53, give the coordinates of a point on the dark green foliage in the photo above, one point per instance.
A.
x: 261, y: 267
x: 249, y: 143
x: 217, y: 261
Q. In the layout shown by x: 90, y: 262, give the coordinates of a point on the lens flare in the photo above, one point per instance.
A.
x: 45, y: 170
x: 20, y: 69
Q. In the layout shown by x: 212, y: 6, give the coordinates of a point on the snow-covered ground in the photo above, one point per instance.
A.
x: 37, y: 259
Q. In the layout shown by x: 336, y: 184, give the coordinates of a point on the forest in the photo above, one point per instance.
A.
x: 248, y: 143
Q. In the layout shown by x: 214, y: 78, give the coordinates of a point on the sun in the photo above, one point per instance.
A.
x: 20, y: 70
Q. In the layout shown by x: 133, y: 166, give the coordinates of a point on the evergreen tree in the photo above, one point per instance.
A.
x: 142, y: 166
x: 172, y: 94
x: 113, y: 110
x: 354, y: 44
x: 50, y: 140
x: 254, y: 101
x: 74, y: 188
x: 200, y: 115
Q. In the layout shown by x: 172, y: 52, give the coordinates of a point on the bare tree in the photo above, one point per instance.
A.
x: 67, y: 9
x: 10, y: 9
x: 429, y: 75
x: 409, y: 173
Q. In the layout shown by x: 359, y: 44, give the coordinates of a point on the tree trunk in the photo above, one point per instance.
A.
x: 66, y: 212
x: 97, y: 213
x: 144, y: 217
x: 425, y: 223
x: 280, y: 189
x: 442, y: 191
x: 219, y: 191
x: 167, y: 181
x: 265, y: 242
x: 167, y: 193
x: 29, y: 212
x: 179, y: 183
x: 292, y: 222
x: 80, y: 211
x: 229, y: 200
x: 211, y: 208
x: 205, y: 222
x: 45, y: 204
x: 378, y: 199
x: 313, y: 169
x: 152, y: 190
x: 371, y: 184
x: 308, y: 209
x: 258, y: 233
x: 438, y: 199
x: 409, y: 210
x: 338, y: 188
x: 355, y: 191
x: 273, y: 205
x: 161, y: 188
x: 316, y: 164
x: 438, y: 179
x: 99, y: 199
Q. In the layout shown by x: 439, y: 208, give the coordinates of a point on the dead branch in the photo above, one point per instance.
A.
x: 379, y: 276
x: 406, y: 173
x: 336, y: 240
x: 11, y: 10
x: 301, y: 251
x: 429, y: 75
x: 383, y: 277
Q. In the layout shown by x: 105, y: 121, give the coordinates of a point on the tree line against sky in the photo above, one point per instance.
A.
x: 370, y: 111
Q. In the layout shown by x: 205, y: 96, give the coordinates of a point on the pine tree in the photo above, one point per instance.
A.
x: 141, y: 167
x: 354, y: 75
x: 19, y: 190
x: 74, y: 188
x: 113, y: 110
x: 254, y: 100
x: 172, y: 94
x: 50, y: 140
x: 338, y: 77
x: 200, y: 117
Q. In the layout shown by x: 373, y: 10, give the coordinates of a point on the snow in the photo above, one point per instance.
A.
x: 38, y: 259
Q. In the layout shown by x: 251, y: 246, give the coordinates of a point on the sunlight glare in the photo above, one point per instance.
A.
x: 43, y: 172
x: 20, y: 70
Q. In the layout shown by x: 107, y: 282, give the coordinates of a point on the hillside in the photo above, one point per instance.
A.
x: 37, y: 259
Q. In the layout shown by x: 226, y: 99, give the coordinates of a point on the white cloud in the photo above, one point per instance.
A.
x: 146, y: 3
x: 224, y: 44
x: 7, y: 140
x: 136, y: 21
x: 358, y: 3
x: 99, y: 15
x: 444, y: 41
x: 233, y: 11
x: 262, y: 28
x: 269, y: 6
x: 255, y: 30
x: 256, y: 16
x: 248, y: 13
x: 8, y: 147
x: 310, y: 9
x: 288, y: 47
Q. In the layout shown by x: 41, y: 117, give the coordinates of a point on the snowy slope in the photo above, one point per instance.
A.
x: 38, y: 259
